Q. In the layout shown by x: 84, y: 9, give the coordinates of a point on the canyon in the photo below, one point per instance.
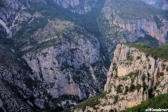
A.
x: 57, y: 53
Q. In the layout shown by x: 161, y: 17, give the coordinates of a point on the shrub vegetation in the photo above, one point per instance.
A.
x: 91, y: 102
x: 156, y: 52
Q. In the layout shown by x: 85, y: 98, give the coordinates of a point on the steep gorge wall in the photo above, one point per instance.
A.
x: 70, y: 63
x: 133, y: 77
x: 119, y: 22
x: 17, y: 84
x: 63, y: 56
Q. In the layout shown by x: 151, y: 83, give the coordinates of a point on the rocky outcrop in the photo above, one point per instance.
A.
x: 133, y: 77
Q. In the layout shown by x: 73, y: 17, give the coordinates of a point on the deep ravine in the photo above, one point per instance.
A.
x: 56, y: 53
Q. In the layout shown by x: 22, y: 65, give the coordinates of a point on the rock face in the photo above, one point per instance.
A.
x: 6, y: 16
x: 133, y: 77
x: 78, y: 6
x: 14, y: 85
x: 64, y: 59
x: 13, y: 14
x: 120, y: 22
x: 72, y: 53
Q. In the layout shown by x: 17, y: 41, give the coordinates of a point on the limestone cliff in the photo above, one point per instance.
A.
x: 64, y: 59
x: 133, y: 77
x: 132, y: 21
x: 69, y: 61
